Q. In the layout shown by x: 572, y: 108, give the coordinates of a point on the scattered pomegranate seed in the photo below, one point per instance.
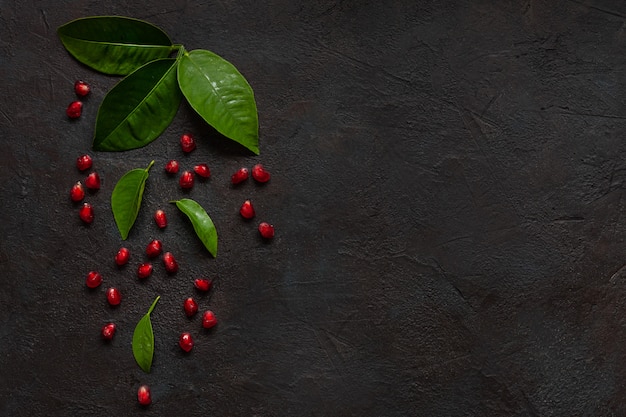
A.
x: 186, y: 180
x: 190, y: 306
x: 239, y: 176
x: 94, y: 279
x: 77, y: 193
x: 74, y: 109
x: 266, y: 230
x: 247, y: 210
x: 208, y: 319
x: 171, y: 167
x: 93, y: 181
x: 144, y: 270
x: 260, y: 174
x: 186, y: 341
x: 154, y: 248
x: 143, y: 395
x: 122, y: 256
x: 108, y: 331
x: 202, y: 170
x: 203, y: 284
x: 81, y: 88
x: 187, y: 143
x: 86, y: 213
x: 113, y: 296
x: 160, y: 219
x: 84, y: 162
x: 171, y: 266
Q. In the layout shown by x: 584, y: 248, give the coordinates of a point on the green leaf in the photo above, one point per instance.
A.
x: 114, y: 44
x: 139, y: 108
x: 126, y: 198
x: 202, y: 223
x: 221, y: 95
x: 143, y: 340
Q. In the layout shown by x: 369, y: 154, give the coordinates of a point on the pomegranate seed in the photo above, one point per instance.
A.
x: 94, y: 279
x: 186, y: 341
x: 108, y: 331
x: 260, y: 174
x: 171, y: 266
x: 171, y: 167
x: 190, y: 306
x: 160, y: 219
x: 208, y: 319
x: 122, y: 256
x: 187, y: 143
x: 143, y: 395
x: 84, y: 162
x: 144, y: 270
x: 93, y: 181
x: 81, y: 88
x: 246, y: 210
x: 202, y: 170
x: 239, y: 176
x: 86, y: 213
x: 77, y: 193
x: 266, y: 230
x: 154, y: 248
x: 203, y: 284
x: 113, y: 296
x: 74, y: 109
x: 186, y: 180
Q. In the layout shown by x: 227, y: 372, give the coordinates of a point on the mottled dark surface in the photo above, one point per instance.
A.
x: 447, y: 191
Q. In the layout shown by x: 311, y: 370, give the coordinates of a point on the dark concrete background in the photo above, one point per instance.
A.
x: 447, y: 191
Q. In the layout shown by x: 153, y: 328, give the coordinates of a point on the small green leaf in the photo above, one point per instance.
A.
x: 126, y: 198
x: 202, y: 223
x: 221, y: 95
x: 143, y: 340
x: 114, y: 44
x: 139, y: 108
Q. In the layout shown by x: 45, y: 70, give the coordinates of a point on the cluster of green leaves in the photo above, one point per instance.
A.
x: 143, y: 104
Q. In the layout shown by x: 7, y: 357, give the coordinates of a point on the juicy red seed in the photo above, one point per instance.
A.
x: 203, y: 284
x: 186, y: 341
x: 143, y: 395
x: 77, y: 193
x: 171, y: 266
x: 93, y: 181
x: 247, y: 210
x: 160, y: 219
x: 84, y: 162
x: 108, y: 331
x: 122, y: 256
x: 187, y: 143
x: 154, y: 248
x: 260, y: 174
x: 266, y: 230
x: 171, y: 167
x: 144, y: 270
x: 190, y: 306
x: 86, y: 213
x: 74, y: 109
x: 239, y: 176
x: 81, y: 88
x: 186, y: 180
x: 202, y: 170
x: 208, y: 319
x: 113, y: 296
x: 94, y: 279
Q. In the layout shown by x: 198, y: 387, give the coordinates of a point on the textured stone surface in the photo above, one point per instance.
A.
x: 447, y: 191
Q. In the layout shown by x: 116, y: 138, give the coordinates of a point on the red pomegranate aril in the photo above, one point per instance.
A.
x: 144, y: 270
x: 154, y: 248
x: 240, y: 176
x: 171, y: 167
x: 202, y: 284
x: 191, y: 307
x: 186, y: 180
x: 143, y: 395
x: 160, y: 219
x: 84, y: 162
x: 208, y: 319
x: 108, y: 331
x: 171, y: 266
x: 202, y: 170
x: 113, y: 296
x: 246, y: 210
x: 266, y: 230
x: 94, y: 279
x: 77, y: 193
x: 122, y: 257
x: 86, y: 213
x: 260, y: 174
x: 187, y: 143
x: 81, y: 88
x: 93, y: 181
x: 74, y: 110
x: 186, y: 341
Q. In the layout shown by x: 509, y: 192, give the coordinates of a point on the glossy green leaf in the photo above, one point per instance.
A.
x: 202, y: 223
x: 139, y: 108
x: 143, y: 340
x: 126, y: 198
x: 114, y: 44
x: 221, y: 95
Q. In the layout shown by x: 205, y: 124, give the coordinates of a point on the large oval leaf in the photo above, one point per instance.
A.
x: 202, y: 223
x: 143, y: 340
x: 126, y: 198
x: 139, y: 108
x: 114, y: 44
x: 221, y: 95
